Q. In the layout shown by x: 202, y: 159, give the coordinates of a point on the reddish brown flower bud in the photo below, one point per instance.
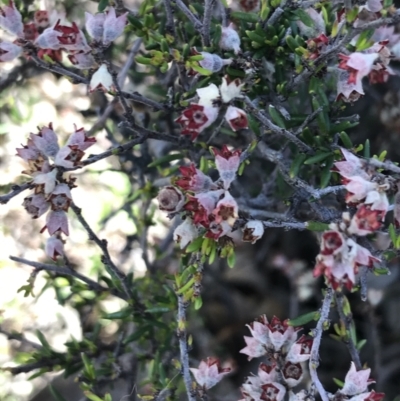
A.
x: 170, y: 199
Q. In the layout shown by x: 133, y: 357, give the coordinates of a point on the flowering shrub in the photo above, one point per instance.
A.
x: 243, y: 126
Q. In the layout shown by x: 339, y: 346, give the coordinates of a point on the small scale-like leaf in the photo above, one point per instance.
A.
x: 304, y: 319
x: 317, y: 226
x: 166, y: 159
x: 319, y: 157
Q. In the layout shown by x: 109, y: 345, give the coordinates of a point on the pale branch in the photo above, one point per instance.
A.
x: 347, y: 321
x: 59, y: 70
x: 63, y: 271
x: 274, y: 17
x: 103, y: 245
x: 277, y: 158
x: 274, y: 128
x: 208, y: 8
x: 80, y: 79
x: 183, y: 346
x: 364, y: 270
x: 193, y: 19
x: 129, y: 61
x: 126, y: 107
x: 386, y: 165
x: 170, y: 25
x: 317, y: 334
x: 222, y: 10
x: 305, y: 4
x: 15, y: 190
x: 115, y: 150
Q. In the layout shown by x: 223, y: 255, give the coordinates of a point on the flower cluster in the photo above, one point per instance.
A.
x: 51, y: 190
x: 198, y: 116
x: 51, y: 40
x: 340, y: 255
x: 208, y: 208
x: 285, y: 353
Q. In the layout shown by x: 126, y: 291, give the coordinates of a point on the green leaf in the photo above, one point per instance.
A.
x: 304, y: 17
x: 367, y: 149
x: 166, y: 159
x: 361, y: 344
x: 304, y: 319
x: 194, y: 245
x: 43, y: 340
x: 121, y: 314
x: 255, y: 37
x: 247, y: 17
x: 102, y: 5
x: 136, y: 22
x: 316, y: 226
x: 91, y: 396
x: 201, y: 70
x: 276, y: 116
x: 38, y: 374
x: 138, y: 334
x: 319, y: 157
x: 326, y: 172
x: 348, y: 144
x: 89, y: 368
x: 158, y: 309
x: 198, y: 303
x: 143, y: 60
x: 253, y: 124
x: 338, y: 382
x: 235, y: 73
x: 231, y: 259
x: 392, y: 233
x: 381, y: 271
x: 296, y: 165
x: 291, y: 42
x: 265, y: 10
x: 56, y: 394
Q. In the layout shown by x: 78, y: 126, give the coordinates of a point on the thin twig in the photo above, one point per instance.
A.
x: 208, y: 8
x: 15, y: 190
x: 102, y: 244
x: 170, y: 25
x: 184, y: 348
x: 276, y: 129
x: 308, y: 119
x: 347, y: 321
x: 19, y: 337
x: 129, y: 61
x: 193, y: 19
x: 64, y: 271
x: 314, y: 357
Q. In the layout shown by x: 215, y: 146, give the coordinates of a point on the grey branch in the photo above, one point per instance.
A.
x: 15, y: 190
x: 102, y: 244
x: 184, y: 348
x: 347, y: 320
x: 62, y: 270
x: 314, y: 357
x: 208, y: 8
x: 274, y: 128
x: 193, y: 19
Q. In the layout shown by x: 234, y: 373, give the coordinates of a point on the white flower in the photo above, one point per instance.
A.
x: 101, y: 79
